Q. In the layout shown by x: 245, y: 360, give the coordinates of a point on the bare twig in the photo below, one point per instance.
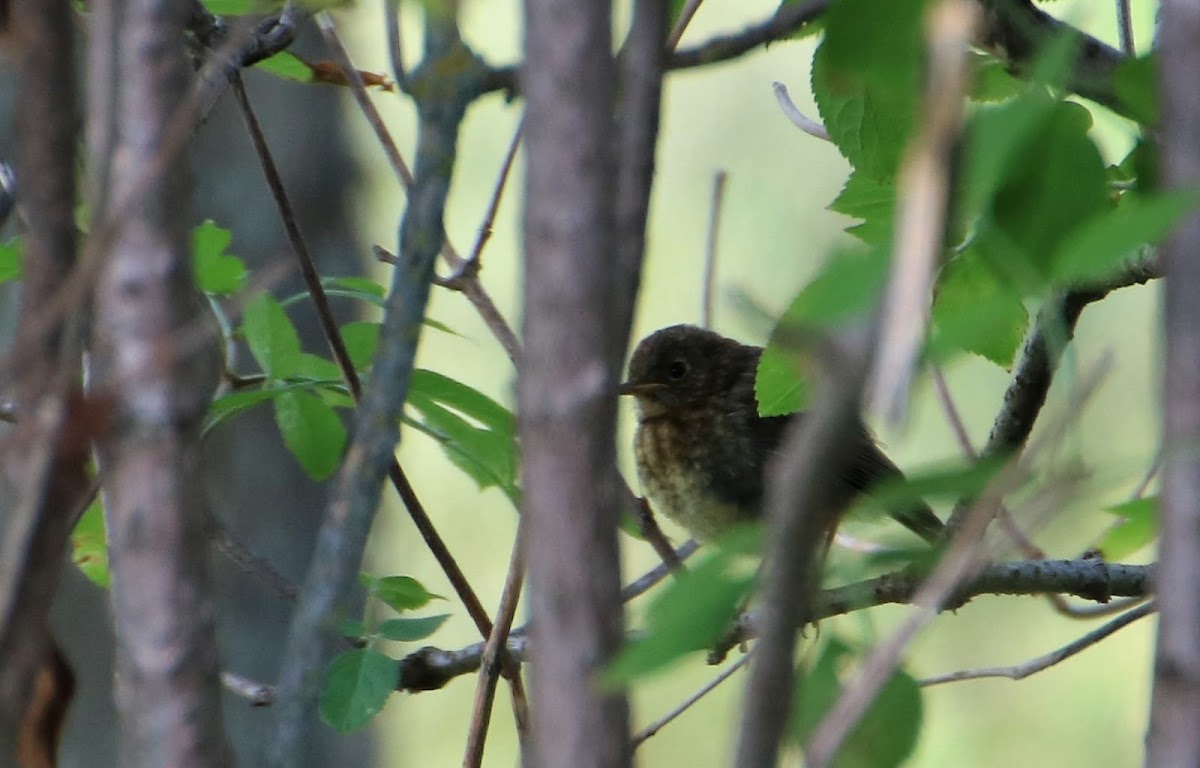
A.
x: 952, y: 413
x: 799, y: 505
x: 431, y: 668
x: 355, y: 496
x: 710, y: 251
x: 256, y: 693
x: 685, y: 17
x: 1125, y: 27
x: 494, y: 654
x: 793, y: 113
x: 391, y: 20
x: 468, y: 269
x: 659, y: 572
x: 341, y: 356
x: 922, y: 204
x: 707, y: 688
x: 1035, y: 665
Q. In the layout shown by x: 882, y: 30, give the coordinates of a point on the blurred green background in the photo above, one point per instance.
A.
x: 775, y: 232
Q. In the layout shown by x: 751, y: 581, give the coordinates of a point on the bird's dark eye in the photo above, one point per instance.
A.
x: 677, y: 370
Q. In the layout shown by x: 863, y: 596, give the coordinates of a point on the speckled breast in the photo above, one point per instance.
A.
x: 677, y: 481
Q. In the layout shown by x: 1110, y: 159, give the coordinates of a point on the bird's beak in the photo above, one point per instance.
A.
x: 635, y: 389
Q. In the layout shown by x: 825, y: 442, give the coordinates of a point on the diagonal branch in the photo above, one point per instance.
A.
x: 442, y: 101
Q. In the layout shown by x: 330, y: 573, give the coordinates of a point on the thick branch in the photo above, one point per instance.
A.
x: 567, y: 411
x: 1174, y: 737
x: 44, y: 463
x: 154, y: 358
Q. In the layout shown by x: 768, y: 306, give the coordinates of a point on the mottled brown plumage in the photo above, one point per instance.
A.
x: 701, y: 446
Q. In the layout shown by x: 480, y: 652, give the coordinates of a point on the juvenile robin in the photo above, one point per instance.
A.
x: 702, y: 448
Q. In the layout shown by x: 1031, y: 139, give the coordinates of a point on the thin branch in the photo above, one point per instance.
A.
x: 256, y: 693
x: 1034, y: 372
x: 953, y: 416
x: 922, y: 206
x: 341, y: 356
x: 1041, y: 663
x: 1018, y: 32
x: 681, y: 24
x: 431, y: 668
x: 659, y: 572
x: 359, y: 90
x: 793, y: 113
x: 710, y: 250
x: 787, y: 19
x: 391, y: 21
x: 799, y: 511
x: 961, y: 561
x: 1125, y: 27
x: 248, y: 561
x: 707, y: 688
x: 355, y: 495
x: 469, y: 268
x: 493, y: 655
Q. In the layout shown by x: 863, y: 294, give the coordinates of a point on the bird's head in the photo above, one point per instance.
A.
x: 684, y: 367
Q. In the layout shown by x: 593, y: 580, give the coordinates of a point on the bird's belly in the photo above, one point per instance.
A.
x: 679, y: 486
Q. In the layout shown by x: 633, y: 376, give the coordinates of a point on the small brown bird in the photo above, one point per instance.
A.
x: 702, y: 448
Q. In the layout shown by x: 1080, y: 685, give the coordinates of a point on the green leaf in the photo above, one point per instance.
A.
x: 411, y: 630
x: 272, y: 338
x: 847, y: 287
x: 362, y: 338
x: 234, y: 403
x: 976, y: 312
x: 216, y: 271
x: 464, y: 399
x: 887, y: 733
x: 10, y: 261
x: 352, y: 628
x: 1102, y: 242
x: 1057, y: 183
x: 992, y: 81
x: 1137, y: 528
x: 312, y: 431
x: 1135, y: 82
x: 288, y: 66
x: 240, y: 7
x: 357, y: 685
x: 317, y: 370
x: 487, y: 452
x: 996, y: 137
x: 89, y: 550
x: 781, y: 384
x: 872, y: 201
x: 865, y: 80
x: 401, y: 593
x: 487, y: 456
x: 688, y: 615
